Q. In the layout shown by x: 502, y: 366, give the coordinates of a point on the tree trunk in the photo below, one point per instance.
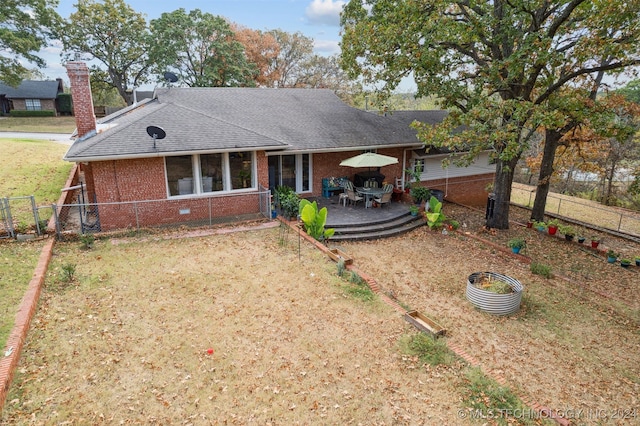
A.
x: 551, y: 142
x: 502, y: 194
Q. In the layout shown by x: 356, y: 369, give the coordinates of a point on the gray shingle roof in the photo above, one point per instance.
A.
x: 219, y: 119
x: 31, y: 89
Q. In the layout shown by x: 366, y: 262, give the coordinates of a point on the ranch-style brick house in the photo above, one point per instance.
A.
x: 31, y: 95
x: 224, y: 148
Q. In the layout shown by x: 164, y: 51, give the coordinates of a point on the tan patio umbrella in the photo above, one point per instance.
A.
x: 369, y: 159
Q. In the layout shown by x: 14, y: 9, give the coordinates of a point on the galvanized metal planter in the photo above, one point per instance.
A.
x: 494, y: 303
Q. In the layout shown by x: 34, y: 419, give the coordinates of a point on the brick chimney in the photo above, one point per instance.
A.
x: 78, y: 73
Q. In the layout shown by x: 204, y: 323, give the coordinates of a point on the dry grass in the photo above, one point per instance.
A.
x: 127, y: 342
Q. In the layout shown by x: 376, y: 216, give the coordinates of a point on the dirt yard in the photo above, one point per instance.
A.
x: 127, y: 340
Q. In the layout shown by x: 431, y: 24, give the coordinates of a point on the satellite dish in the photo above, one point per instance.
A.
x: 170, y: 77
x: 156, y: 133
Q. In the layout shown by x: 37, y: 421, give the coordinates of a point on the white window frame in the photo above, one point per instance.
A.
x: 226, y: 177
x: 33, y: 105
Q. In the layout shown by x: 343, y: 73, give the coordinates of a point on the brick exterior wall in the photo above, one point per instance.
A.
x: 328, y: 165
x: 468, y: 190
x: 45, y: 105
x: 78, y: 73
x: 144, y: 179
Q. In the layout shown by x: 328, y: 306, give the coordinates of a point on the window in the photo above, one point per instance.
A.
x: 291, y: 170
x: 33, y: 104
x: 206, y: 173
x: 240, y: 169
x: 211, y: 172
x: 180, y: 175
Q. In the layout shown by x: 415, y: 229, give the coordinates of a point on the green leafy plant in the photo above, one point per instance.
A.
x: 290, y: 204
x: 68, y: 272
x: 612, y: 254
x: 428, y: 349
x: 625, y: 262
x: 540, y: 269
x: 553, y: 222
x: 567, y: 230
x: 435, y: 217
x: 22, y: 227
x: 87, y: 240
x: 419, y: 194
x: 413, y: 175
x: 454, y: 224
x: 540, y: 225
x: 315, y: 220
x: 413, y: 209
x: 342, y: 267
x: 517, y: 243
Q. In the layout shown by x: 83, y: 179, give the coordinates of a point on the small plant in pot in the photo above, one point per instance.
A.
x: 595, y: 241
x: 612, y: 256
x: 581, y: 239
x: 637, y: 259
x: 517, y: 244
x: 625, y: 263
x: 420, y: 194
x: 540, y: 225
x: 568, y: 232
x: 552, y: 226
x: 413, y: 209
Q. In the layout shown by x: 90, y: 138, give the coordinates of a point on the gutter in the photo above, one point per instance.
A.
x: 78, y: 159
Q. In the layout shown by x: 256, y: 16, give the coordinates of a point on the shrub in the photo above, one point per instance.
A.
x: 68, y: 272
x: 541, y: 269
x: 42, y: 113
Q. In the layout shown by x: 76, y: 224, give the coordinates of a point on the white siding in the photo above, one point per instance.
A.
x: 433, y: 167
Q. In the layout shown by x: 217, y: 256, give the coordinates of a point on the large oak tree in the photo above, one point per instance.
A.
x: 201, y: 49
x: 494, y: 64
x: 24, y: 30
x: 113, y: 34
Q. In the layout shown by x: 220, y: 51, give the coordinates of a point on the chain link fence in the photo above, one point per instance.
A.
x: 82, y: 218
x: 611, y: 218
x: 20, y: 215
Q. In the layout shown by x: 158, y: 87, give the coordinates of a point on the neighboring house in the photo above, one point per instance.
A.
x: 231, y: 144
x: 31, y: 95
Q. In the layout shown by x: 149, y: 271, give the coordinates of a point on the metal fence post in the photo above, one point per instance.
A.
x: 135, y: 210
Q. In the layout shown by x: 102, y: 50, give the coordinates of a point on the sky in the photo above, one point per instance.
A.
x: 316, y: 19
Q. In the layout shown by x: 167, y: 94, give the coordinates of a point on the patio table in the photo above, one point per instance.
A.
x: 369, y: 194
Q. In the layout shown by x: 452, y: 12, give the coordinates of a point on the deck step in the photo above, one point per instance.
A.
x: 378, y: 230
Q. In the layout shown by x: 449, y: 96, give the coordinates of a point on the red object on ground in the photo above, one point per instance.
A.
x: 209, y: 351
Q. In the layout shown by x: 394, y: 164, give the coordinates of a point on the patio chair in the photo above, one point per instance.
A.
x: 385, y: 197
x: 353, y: 197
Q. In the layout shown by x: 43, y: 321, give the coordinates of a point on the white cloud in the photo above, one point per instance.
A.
x: 325, y: 12
x: 328, y: 47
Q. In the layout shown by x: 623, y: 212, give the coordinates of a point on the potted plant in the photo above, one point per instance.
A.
x: 595, y: 241
x: 552, y: 226
x: 581, y: 239
x: 530, y: 223
x: 413, y: 209
x: 612, y: 256
x: 625, y: 263
x: 420, y: 194
x: 637, y: 259
x: 517, y: 244
x: 540, y: 225
x: 290, y: 205
x: 568, y: 231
